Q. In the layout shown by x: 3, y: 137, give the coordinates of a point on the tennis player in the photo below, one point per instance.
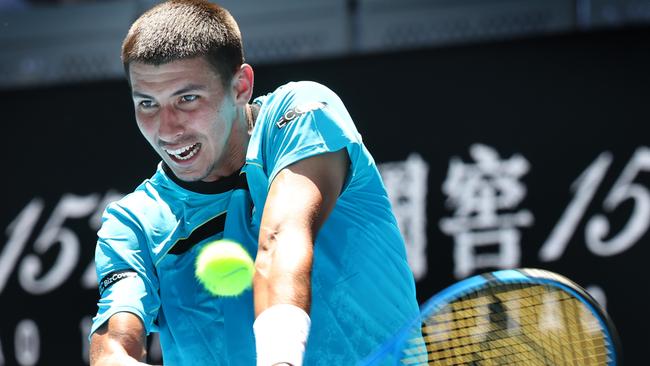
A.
x: 286, y: 175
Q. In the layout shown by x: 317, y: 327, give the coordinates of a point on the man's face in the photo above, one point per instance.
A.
x: 185, y: 113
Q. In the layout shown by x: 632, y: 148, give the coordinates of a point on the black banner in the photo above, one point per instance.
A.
x: 532, y: 153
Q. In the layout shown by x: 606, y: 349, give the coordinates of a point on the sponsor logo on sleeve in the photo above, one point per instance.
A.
x: 296, y: 112
x: 114, y: 277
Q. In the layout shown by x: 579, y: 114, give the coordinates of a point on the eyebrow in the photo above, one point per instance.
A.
x: 183, y: 90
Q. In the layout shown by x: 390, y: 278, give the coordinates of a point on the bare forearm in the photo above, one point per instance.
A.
x: 120, y: 341
x: 116, y: 360
x: 299, y: 201
x: 111, y: 353
x: 282, y: 289
x: 283, y: 270
x: 300, y: 198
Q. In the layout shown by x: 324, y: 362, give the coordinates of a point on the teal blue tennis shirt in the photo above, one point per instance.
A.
x: 362, y: 288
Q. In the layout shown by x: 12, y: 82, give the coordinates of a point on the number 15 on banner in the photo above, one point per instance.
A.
x: 598, y: 227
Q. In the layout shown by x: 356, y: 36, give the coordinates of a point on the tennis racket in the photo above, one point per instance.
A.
x: 510, y: 317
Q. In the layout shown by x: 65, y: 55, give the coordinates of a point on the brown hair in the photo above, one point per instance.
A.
x: 179, y: 29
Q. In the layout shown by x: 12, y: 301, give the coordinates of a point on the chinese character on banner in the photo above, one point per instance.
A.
x: 406, y: 184
x: 484, y: 197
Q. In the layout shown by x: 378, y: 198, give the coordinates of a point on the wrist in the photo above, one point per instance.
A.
x: 281, y: 333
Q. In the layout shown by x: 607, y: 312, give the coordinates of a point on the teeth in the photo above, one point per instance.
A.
x: 188, y: 155
x: 177, y: 153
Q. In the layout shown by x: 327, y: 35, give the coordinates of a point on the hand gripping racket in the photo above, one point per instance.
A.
x: 524, y: 317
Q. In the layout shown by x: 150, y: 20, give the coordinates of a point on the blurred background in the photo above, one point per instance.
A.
x: 509, y: 133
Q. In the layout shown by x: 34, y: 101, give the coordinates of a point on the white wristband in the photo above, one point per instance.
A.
x: 281, y: 334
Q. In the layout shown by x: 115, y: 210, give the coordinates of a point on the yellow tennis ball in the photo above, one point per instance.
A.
x: 224, y: 268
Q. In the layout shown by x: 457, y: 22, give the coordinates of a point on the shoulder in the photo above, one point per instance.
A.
x: 300, y: 88
x: 299, y: 94
x: 306, y: 89
x: 126, y: 217
x: 130, y: 224
x: 296, y: 99
x: 146, y: 201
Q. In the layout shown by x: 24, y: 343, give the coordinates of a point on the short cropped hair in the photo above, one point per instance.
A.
x: 180, y: 29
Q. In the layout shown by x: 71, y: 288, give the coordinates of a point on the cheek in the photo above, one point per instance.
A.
x: 146, y: 126
x: 209, y: 120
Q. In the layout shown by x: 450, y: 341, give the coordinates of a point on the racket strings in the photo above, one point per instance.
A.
x: 511, y: 324
x: 513, y: 351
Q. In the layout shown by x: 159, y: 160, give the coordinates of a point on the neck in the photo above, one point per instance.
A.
x: 233, y: 156
x: 252, y: 110
x: 238, y: 143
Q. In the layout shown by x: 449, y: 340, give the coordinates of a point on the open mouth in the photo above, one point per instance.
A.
x: 184, y: 153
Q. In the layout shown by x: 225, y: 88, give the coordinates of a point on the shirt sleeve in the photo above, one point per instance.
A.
x: 309, y: 120
x: 126, y: 275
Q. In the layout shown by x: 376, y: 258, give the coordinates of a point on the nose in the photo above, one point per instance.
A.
x: 170, y: 127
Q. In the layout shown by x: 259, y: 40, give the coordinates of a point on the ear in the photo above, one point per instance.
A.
x: 242, y: 84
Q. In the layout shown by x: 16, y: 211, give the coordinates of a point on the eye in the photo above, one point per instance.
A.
x: 189, y: 98
x: 146, y: 104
